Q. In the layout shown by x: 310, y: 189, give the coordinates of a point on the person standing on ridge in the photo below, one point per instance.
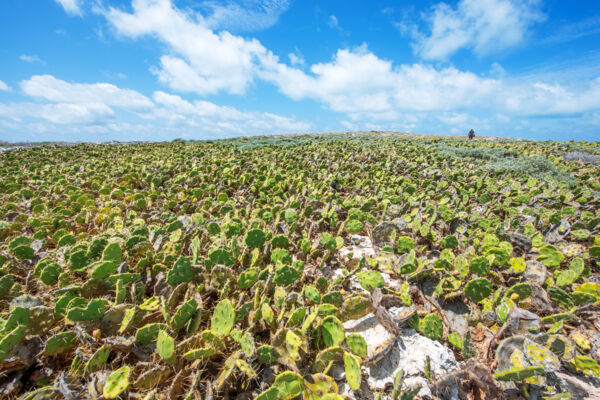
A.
x: 471, y: 134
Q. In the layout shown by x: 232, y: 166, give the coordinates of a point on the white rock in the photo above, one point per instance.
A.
x: 408, y: 355
x: 361, y: 247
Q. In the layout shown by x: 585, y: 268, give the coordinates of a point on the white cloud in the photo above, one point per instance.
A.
x: 204, y: 62
x: 72, y: 7
x: 4, y: 87
x: 483, y: 26
x: 202, y: 112
x: 105, y: 109
x: 296, y: 58
x: 244, y: 15
x: 31, y: 59
x: 61, y: 113
x: 59, y: 91
x: 333, y: 22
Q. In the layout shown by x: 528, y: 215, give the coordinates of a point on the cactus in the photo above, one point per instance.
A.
x: 149, y: 332
x: 9, y: 340
x: 98, y: 359
x: 355, y: 307
x: 102, y: 269
x: 327, y: 356
x: 582, y: 298
x: 255, y: 238
x: 60, y: 343
x: 112, y: 252
x: 223, y: 318
x: 449, y: 242
x: 519, y: 374
x: 404, y: 244
x: 117, y: 382
x: 131, y: 317
x: 478, y: 289
x: 6, y: 283
x: 221, y: 256
x: 518, y: 292
x: 152, y: 377
x: 370, y: 280
x: 289, y: 385
x: 50, y: 274
x: 199, y: 354
x: 568, y: 277
x: 247, y: 344
x: 181, y: 272
x: 332, y: 331
x: 92, y: 312
x: 77, y: 365
x: 432, y: 327
x: 248, y: 278
x: 267, y: 354
x: 78, y: 260
x: 269, y: 394
x: 456, y: 340
x: 18, y: 316
x: 183, y: 314
x: 165, y: 346
x: 318, y: 385
x: 285, y: 275
x: 479, y: 266
x: 228, y: 367
x: 150, y: 304
x: 352, y: 368
x: 586, y: 365
x: 561, y: 297
x: 550, y: 256
x: 23, y: 252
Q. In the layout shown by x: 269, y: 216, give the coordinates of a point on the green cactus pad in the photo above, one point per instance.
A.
x: 60, y: 343
x: 165, y: 346
x: 98, y: 359
x: 332, y: 331
x: 478, y: 289
x: 149, y: 332
x: 357, y: 344
x: 432, y: 327
x: 181, y: 272
x: 117, y: 382
x: 289, y: 385
x: 550, y: 256
x: 255, y: 238
x: 479, y: 266
x: 518, y: 374
x: 352, y: 368
x: 223, y: 318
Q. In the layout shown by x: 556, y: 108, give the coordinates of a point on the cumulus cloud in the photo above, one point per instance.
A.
x: 31, y: 59
x: 72, y: 7
x: 483, y: 26
x: 50, y: 88
x: 203, y: 61
x: 244, y: 15
x: 61, y: 113
x: 4, y: 87
x: 102, y: 108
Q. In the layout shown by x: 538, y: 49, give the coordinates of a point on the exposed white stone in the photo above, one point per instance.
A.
x: 408, y: 355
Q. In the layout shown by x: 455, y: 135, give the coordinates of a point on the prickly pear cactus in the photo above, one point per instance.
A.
x: 117, y: 382
x: 478, y: 289
x: 60, y: 343
x: 181, y: 272
x: 519, y: 374
x: 357, y: 344
x: 183, y: 314
x: 98, y: 359
x: 432, y: 327
x: 332, y: 331
x: 92, y: 312
x: 165, y: 346
x: 519, y: 292
x: 9, y: 340
x: 289, y: 385
x: 223, y: 318
x: 352, y: 368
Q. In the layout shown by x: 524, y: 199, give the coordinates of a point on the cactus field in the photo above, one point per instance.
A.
x: 301, y: 267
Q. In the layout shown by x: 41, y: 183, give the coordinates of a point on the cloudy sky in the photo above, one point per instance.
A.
x: 96, y: 70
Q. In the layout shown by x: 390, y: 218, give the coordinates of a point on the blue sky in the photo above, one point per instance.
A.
x: 96, y: 70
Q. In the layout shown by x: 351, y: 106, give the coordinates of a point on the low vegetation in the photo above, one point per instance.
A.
x: 232, y: 268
